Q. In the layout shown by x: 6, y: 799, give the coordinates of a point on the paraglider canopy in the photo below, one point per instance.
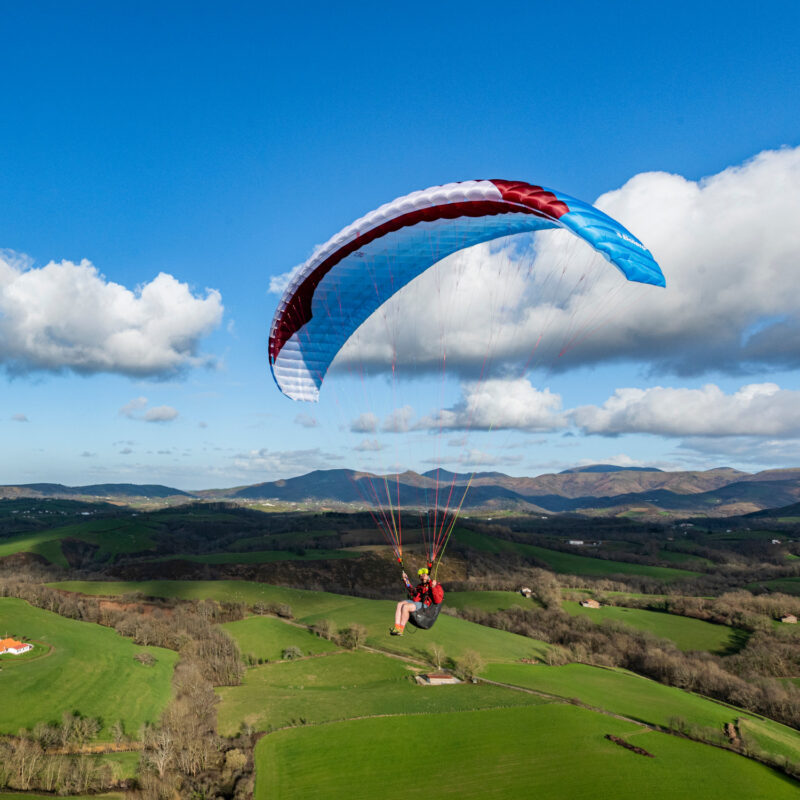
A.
x: 360, y: 268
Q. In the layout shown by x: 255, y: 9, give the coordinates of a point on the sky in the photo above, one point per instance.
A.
x: 163, y: 167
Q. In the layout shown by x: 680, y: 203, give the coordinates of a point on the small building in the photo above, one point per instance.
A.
x: 776, y: 541
x: 576, y: 542
x: 14, y: 647
x: 525, y: 591
x: 789, y: 619
x: 436, y: 679
x: 590, y: 603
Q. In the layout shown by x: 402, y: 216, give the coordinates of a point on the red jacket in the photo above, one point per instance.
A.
x: 426, y: 594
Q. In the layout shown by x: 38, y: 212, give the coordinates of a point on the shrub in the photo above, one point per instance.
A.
x: 469, y: 665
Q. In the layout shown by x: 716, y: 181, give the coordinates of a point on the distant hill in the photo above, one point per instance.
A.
x: 94, y: 490
x: 792, y: 510
x: 608, y: 468
x: 601, y: 488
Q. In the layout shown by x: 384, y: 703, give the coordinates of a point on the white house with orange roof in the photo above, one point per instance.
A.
x: 14, y: 647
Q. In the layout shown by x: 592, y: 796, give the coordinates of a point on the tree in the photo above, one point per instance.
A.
x: 353, y: 636
x: 470, y: 664
x: 437, y: 654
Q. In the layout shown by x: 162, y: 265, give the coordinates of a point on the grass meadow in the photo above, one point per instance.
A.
x: 557, y: 751
x: 112, y: 537
x: 687, y: 633
x: 377, y: 616
x: 266, y: 638
x: 343, y: 686
x: 489, y: 601
x: 622, y: 692
x: 89, y: 668
x: 570, y: 563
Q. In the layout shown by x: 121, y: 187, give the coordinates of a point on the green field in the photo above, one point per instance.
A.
x: 454, y: 635
x: 553, y: 751
x: 111, y: 536
x: 296, y: 538
x: 687, y: 633
x: 569, y: 563
x: 631, y: 695
x: 489, y: 601
x: 260, y: 556
x: 90, y: 669
x: 783, y: 585
x: 344, y: 686
x: 675, y: 557
x: 266, y: 638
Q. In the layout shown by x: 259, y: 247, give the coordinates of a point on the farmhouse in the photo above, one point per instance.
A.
x: 14, y: 647
x: 436, y: 679
x: 791, y: 619
x: 525, y: 591
x: 590, y: 603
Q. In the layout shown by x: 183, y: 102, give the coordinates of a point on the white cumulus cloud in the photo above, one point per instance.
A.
x: 369, y: 446
x: 160, y: 414
x: 67, y: 315
x: 135, y: 409
x: 762, y: 409
x: 729, y: 246
x: 495, y: 404
x: 365, y: 423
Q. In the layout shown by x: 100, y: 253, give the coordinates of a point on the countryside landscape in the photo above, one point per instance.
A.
x: 236, y: 648
x: 399, y: 400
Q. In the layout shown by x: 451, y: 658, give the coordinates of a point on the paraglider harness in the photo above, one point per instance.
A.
x: 429, y: 613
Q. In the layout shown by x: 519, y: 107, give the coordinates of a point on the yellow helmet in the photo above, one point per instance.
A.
x: 422, y: 571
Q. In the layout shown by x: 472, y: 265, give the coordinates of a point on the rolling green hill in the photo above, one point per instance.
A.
x: 556, y: 751
x: 85, y: 667
x: 110, y: 536
x: 343, y: 686
x: 687, y: 633
x: 569, y: 563
x: 454, y: 635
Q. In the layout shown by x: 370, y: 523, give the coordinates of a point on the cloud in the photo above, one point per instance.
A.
x: 68, y: 316
x: 273, y: 464
x: 19, y: 418
x: 126, y: 451
x: 728, y: 244
x: 88, y: 454
x: 132, y: 406
x: 160, y: 414
x: 398, y: 421
x: 369, y: 445
x: 306, y: 421
x: 134, y: 409
x: 364, y: 423
x: 496, y: 404
x: 762, y: 409
x: 759, y: 452
x: 474, y: 458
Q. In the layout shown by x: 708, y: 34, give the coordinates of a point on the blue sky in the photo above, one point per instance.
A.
x: 219, y: 145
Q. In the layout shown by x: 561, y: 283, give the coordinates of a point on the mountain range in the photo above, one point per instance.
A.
x: 597, y: 488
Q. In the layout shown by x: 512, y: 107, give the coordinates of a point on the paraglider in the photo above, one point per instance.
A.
x: 423, y: 604
x: 363, y: 266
